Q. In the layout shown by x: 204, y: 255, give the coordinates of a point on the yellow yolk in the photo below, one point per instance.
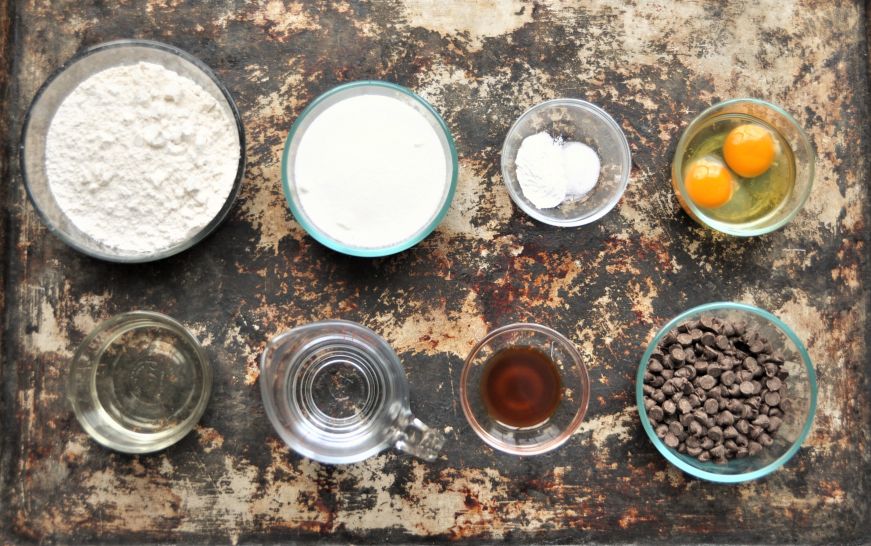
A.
x: 748, y: 150
x: 708, y: 183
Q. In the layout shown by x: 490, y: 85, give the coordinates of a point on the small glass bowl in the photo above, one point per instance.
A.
x: 49, y: 98
x: 577, y: 121
x: 792, y: 133
x: 139, y: 382
x: 801, y: 391
x: 338, y: 94
x: 572, y: 406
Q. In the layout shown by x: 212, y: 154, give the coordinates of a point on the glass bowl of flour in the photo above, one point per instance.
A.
x: 369, y: 169
x: 566, y: 162
x: 132, y: 151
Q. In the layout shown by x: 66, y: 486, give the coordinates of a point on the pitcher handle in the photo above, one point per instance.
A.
x: 418, y: 439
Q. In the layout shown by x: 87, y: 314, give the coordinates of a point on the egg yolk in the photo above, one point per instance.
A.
x: 708, y: 183
x: 748, y: 150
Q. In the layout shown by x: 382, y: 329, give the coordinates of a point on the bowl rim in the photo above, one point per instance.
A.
x: 696, y: 213
x: 185, y: 426
x: 580, y: 412
x: 668, y: 452
x: 194, y: 238
x: 626, y: 162
x: 323, y: 238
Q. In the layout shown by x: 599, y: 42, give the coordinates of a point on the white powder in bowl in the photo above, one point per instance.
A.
x: 370, y: 171
x: 140, y: 158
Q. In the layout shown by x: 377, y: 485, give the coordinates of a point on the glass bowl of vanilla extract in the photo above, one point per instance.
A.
x: 744, y: 167
x: 524, y: 389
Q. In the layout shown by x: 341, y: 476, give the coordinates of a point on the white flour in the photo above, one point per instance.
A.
x: 551, y: 170
x: 370, y: 171
x: 140, y: 157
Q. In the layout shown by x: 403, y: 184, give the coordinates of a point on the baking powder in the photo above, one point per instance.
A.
x: 370, y: 171
x: 140, y: 158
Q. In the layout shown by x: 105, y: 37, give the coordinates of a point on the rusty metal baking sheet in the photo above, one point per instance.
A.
x: 608, y: 286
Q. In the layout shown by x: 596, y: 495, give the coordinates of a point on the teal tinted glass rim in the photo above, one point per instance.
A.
x: 671, y: 455
x: 331, y: 243
x: 677, y: 168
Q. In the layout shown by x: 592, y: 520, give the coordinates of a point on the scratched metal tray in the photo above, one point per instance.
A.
x: 607, y: 286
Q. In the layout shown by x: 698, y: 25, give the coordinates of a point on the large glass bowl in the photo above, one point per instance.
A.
x: 49, y: 98
x: 792, y: 133
x: 577, y: 121
x: 570, y: 411
x: 343, y: 92
x: 801, y: 391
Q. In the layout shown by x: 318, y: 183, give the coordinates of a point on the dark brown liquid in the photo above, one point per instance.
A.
x: 520, y: 386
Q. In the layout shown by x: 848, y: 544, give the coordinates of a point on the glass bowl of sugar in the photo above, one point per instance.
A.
x: 565, y: 162
x: 132, y: 151
x: 369, y: 169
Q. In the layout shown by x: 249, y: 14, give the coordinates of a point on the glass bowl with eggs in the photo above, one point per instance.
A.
x: 743, y: 167
x: 566, y: 162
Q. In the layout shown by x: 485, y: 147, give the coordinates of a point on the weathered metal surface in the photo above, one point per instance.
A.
x: 608, y: 286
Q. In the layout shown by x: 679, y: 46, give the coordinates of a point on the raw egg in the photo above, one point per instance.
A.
x: 749, y: 150
x: 709, y: 183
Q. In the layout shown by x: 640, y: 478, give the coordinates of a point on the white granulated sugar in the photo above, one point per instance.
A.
x: 140, y: 157
x: 370, y: 171
x: 551, y: 171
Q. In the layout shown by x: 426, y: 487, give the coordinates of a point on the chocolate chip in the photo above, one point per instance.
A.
x: 686, y: 419
x: 654, y: 366
x: 684, y: 406
x: 685, y: 339
x: 661, y: 430
x: 715, y: 433
x: 722, y: 342
x: 746, y: 388
x: 669, y: 407
x: 743, y: 426
x: 711, y: 406
x: 694, y: 451
x: 730, y: 432
x: 696, y: 334
x: 704, y: 456
x: 772, y: 398
x: 677, y: 354
x: 701, y: 366
x: 725, y: 418
x: 658, y: 396
x: 718, y: 452
x: 728, y: 378
x: 656, y: 413
x: 754, y: 448
x: 773, y: 384
x: 714, y: 370
x: 695, y: 429
x: 708, y: 339
x: 707, y: 443
x: 762, y: 421
x: 774, y: 424
x: 707, y: 382
x: 671, y: 440
x: 765, y: 440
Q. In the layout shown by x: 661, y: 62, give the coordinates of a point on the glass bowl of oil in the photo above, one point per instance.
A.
x: 744, y: 167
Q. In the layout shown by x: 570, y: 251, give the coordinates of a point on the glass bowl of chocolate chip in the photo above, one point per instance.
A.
x: 726, y: 392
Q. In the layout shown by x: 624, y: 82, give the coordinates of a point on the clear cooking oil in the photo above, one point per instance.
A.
x: 753, y: 198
